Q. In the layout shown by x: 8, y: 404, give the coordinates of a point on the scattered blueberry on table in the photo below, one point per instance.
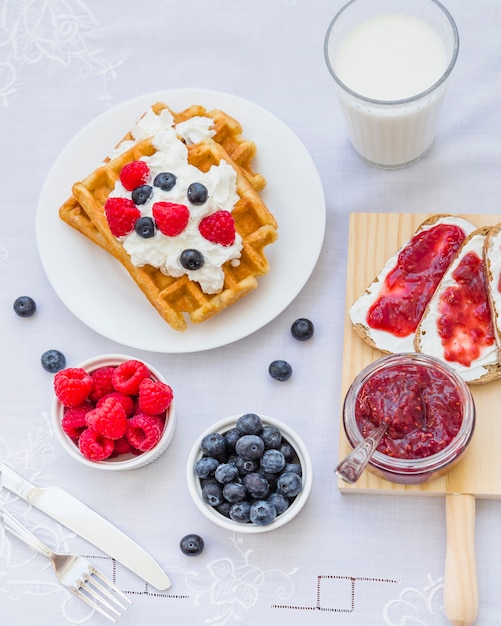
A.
x: 280, y: 370
x: 192, y: 545
x: 53, y: 361
x: 302, y: 329
x: 24, y: 306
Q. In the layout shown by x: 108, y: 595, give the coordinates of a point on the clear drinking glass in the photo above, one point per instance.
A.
x: 391, y: 113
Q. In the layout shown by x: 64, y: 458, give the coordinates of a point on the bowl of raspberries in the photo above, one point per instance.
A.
x: 113, y: 412
x: 249, y: 473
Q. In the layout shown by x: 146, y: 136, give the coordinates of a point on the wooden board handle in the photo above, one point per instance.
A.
x: 460, y: 580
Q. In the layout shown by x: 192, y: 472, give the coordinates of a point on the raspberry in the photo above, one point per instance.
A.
x: 126, y: 401
x: 171, y: 218
x: 95, y: 447
x: 122, y: 446
x: 121, y: 214
x: 144, y: 431
x: 128, y: 376
x: 154, y: 396
x: 72, y: 386
x: 102, y: 383
x: 134, y: 174
x: 108, y: 420
x: 219, y: 227
x: 74, y: 422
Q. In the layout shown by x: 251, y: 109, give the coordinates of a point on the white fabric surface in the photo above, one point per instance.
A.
x: 347, y: 559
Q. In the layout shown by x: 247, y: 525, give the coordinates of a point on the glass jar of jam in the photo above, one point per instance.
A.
x: 427, y: 407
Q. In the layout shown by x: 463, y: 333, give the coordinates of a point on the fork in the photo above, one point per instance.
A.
x: 74, y: 572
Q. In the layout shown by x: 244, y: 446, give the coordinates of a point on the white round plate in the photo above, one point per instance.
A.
x: 100, y: 292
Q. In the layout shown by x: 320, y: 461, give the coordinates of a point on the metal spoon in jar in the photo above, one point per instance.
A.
x: 352, y: 466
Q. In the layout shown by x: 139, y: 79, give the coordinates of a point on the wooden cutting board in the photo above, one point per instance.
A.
x: 373, y: 238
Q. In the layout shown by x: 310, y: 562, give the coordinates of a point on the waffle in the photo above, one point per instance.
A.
x: 180, y: 299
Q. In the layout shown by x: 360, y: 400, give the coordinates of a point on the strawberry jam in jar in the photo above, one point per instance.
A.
x: 429, y: 413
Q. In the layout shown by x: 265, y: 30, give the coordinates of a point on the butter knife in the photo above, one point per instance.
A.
x: 78, y: 517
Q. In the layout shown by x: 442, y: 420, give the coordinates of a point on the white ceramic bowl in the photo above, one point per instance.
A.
x: 125, y: 461
x: 225, y: 522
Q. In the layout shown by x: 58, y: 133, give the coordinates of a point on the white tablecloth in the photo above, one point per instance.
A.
x: 346, y: 559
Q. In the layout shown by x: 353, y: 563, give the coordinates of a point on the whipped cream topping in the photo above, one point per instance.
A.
x: 431, y: 343
x: 161, y: 251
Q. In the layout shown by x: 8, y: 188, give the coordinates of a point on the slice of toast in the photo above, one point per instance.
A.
x: 457, y: 324
x: 492, y: 261
x: 369, y: 314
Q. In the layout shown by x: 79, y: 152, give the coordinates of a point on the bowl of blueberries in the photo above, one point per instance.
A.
x: 249, y: 473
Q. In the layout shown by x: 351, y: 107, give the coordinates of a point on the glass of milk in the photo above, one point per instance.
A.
x: 390, y: 60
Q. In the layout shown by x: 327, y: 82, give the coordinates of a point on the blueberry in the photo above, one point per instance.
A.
x: 272, y: 461
x: 24, y: 306
x: 231, y: 437
x: 302, y: 329
x: 234, y: 492
x: 145, y: 227
x: 290, y: 484
x: 256, y: 484
x: 242, y: 478
x: 52, y: 361
x: 226, y: 473
x: 210, y: 480
x: 262, y: 513
x: 141, y: 194
x: 288, y: 451
x: 249, y: 424
x: 245, y: 466
x: 240, y: 512
x: 279, y: 501
x: 212, y: 494
x: 192, y: 545
x: 165, y: 181
x: 250, y: 447
x: 197, y: 193
x: 271, y: 436
x: 191, y: 259
x: 271, y: 477
x: 294, y: 467
x: 206, y: 466
x: 280, y: 370
x: 214, y: 445
x: 224, y: 508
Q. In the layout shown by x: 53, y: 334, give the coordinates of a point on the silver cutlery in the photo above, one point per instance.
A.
x: 81, y: 519
x: 351, y: 467
x: 75, y: 573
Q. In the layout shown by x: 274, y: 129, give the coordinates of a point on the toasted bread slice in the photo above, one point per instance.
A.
x: 492, y: 262
x: 369, y: 313
x: 457, y: 324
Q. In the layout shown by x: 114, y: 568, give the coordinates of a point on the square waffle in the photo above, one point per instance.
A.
x: 180, y: 299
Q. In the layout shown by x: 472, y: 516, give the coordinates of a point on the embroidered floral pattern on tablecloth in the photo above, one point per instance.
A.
x: 23, y: 572
x: 418, y: 607
x: 231, y: 586
x: 48, y: 31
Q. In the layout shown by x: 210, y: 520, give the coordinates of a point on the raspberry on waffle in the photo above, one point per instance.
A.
x: 179, y: 297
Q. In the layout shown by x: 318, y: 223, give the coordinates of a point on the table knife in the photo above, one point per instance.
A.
x: 78, y: 517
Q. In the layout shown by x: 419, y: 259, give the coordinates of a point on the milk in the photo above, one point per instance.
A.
x: 390, y: 69
x: 391, y: 57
